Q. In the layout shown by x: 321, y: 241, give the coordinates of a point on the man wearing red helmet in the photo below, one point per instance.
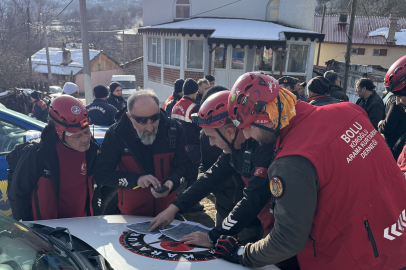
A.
x: 239, y: 155
x: 54, y: 176
x: 335, y: 207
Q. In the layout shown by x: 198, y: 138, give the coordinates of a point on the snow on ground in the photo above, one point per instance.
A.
x: 399, y: 36
x: 4, y: 93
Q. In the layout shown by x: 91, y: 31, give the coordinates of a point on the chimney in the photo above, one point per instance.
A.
x: 66, y: 57
x: 343, y: 17
x: 393, y: 23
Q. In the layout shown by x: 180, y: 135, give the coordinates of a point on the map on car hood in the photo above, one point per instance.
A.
x: 184, y: 228
x: 143, y: 227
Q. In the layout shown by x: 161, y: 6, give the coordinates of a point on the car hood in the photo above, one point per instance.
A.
x: 104, y: 233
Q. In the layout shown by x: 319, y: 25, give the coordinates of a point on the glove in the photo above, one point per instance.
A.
x: 227, y: 248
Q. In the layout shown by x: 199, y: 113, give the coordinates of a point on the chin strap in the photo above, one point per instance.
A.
x: 277, y: 130
x: 231, y: 145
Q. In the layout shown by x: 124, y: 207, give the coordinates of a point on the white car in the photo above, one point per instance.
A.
x: 77, y: 243
x: 128, y: 84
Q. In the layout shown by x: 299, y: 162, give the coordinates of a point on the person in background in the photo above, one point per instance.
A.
x: 211, y: 79
x: 100, y: 111
x: 71, y: 89
x: 298, y: 88
x: 302, y: 89
x: 292, y: 85
x: 370, y: 101
x: 319, y: 92
x: 116, y: 96
x: 174, y: 98
x: 204, y: 85
x: 39, y: 108
x: 336, y: 90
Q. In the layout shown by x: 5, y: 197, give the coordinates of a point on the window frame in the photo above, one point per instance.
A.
x: 269, y: 8
x: 17, y: 125
x: 380, y: 52
x: 182, y: 5
x: 153, y: 63
x: 286, y: 60
x: 180, y: 52
x: 186, y: 55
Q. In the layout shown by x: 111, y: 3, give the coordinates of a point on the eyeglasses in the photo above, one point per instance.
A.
x: 144, y: 120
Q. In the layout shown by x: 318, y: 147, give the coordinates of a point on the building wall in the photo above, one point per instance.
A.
x: 98, y: 78
x: 337, y: 52
x: 136, y: 68
x: 297, y: 13
x: 171, y: 75
x: 102, y: 63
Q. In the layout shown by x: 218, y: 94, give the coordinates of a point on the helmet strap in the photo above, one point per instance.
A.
x: 230, y: 144
x: 277, y: 130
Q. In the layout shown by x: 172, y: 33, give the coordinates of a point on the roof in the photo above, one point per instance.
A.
x: 39, y: 61
x: 232, y: 29
x: 363, y: 26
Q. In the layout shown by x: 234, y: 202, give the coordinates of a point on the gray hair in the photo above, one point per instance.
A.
x: 141, y: 94
x: 202, y: 81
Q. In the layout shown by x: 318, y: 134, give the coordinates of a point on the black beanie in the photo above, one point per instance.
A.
x: 113, y: 86
x: 190, y: 87
x: 35, y: 95
x: 331, y: 76
x: 319, y: 85
x: 178, y: 85
x: 100, y: 91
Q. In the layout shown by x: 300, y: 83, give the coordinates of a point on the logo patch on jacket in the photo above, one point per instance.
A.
x: 83, y: 168
x: 276, y: 186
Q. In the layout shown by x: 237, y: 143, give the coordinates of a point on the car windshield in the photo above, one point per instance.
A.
x: 127, y: 84
x: 55, y: 89
x: 21, y: 248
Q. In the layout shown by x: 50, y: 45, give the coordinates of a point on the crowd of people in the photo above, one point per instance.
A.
x: 300, y: 182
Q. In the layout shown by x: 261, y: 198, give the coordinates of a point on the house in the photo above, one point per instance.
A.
x: 376, y: 40
x: 67, y: 66
x: 135, y: 67
x: 192, y: 38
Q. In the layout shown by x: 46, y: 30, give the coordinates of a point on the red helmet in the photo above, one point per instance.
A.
x: 249, y: 95
x: 395, y: 79
x: 69, y: 115
x: 213, y: 112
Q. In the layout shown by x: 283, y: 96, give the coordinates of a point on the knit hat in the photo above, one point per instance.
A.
x: 35, y: 95
x: 319, y: 85
x: 190, y: 87
x: 113, y: 86
x: 100, y: 91
x: 178, y: 85
x: 70, y: 88
x: 331, y: 76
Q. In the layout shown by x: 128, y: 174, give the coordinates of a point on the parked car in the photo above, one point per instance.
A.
x: 128, y: 83
x: 55, y: 90
x: 16, y: 128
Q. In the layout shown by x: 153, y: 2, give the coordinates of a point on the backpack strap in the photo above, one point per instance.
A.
x: 172, y: 133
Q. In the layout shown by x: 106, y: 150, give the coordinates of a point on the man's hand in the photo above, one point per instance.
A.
x: 165, y: 217
x: 169, y: 184
x: 197, y: 238
x: 145, y: 180
x: 227, y: 248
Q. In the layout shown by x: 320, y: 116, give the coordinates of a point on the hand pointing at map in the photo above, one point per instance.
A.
x: 197, y: 238
x: 164, y: 218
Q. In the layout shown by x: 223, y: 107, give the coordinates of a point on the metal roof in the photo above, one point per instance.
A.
x: 337, y: 33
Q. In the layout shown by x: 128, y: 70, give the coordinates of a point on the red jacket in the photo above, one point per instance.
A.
x: 402, y: 160
x: 360, y: 217
x: 182, y: 111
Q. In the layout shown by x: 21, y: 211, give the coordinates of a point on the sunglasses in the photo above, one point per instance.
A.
x: 144, y: 120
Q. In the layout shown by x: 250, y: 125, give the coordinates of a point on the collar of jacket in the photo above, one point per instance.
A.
x: 112, y: 96
x: 336, y: 88
x: 318, y: 96
x: 369, y: 98
x: 189, y: 99
x: 122, y: 126
x: 176, y: 95
x: 99, y: 100
x: 47, y: 153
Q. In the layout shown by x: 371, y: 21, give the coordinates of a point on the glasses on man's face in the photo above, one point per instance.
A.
x: 144, y: 120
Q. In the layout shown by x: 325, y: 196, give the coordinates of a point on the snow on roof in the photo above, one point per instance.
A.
x: 399, y: 36
x: 39, y: 61
x: 234, y: 28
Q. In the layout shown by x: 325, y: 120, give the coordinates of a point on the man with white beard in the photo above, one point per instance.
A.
x: 144, y: 155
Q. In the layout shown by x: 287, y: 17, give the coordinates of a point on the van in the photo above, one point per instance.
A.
x: 128, y: 83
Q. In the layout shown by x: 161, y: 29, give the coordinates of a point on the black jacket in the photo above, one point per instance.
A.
x: 101, y: 112
x: 374, y: 107
x: 39, y: 159
x: 256, y: 194
x: 394, y: 124
x: 299, y: 97
x: 121, y: 138
x: 323, y: 100
x: 118, y: 102
x: 337, y: 93
x: 192, y: 130
x: 40, y: 111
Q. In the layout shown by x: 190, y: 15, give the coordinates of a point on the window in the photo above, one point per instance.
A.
x: 182, y: 9
x: 154, y: 50
x: 220, y: 57
x: 380, y: 52
x: 263, y: 59
x: 297, y: 58
x: 238, y: 58
x: 10, y: 136
x: 195, y: 54
x: 357, y: 51
x: 272, y: 11
x: 172, y: 52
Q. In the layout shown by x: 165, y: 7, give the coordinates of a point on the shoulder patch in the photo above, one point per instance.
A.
x: 276, y: 186
x: 261, y: 172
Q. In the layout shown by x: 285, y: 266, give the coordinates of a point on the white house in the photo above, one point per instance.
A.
x: 225, y: 38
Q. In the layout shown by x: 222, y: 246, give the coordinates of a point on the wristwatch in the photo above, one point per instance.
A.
x: 240, y: 251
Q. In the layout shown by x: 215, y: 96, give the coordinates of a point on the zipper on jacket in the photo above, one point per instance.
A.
x: 314, y: 245
x: 162, y: 170
x: 122, y: 197
x: 371, y: 238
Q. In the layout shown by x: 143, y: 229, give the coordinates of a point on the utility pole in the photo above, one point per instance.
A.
x: 85, y: 52
x: 123, y: 48
x: 349, y: 44
x: 28, y: 45
x: 44, y: 27
x: 321, y: 32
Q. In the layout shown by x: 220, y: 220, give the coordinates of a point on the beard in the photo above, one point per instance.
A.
x: 266, y: 138
x: 147, y: 138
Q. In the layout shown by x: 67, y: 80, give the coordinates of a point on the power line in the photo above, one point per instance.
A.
x: 215, y: 8
x: 59, y: 12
